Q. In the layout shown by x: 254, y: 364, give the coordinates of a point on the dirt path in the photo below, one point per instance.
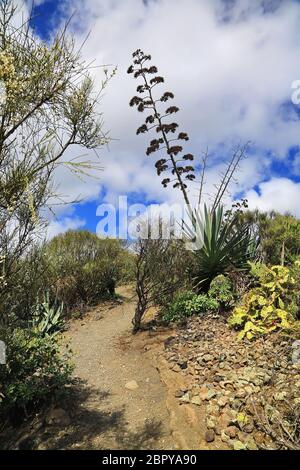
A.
x: 124, y: 392
x: 107, y: 358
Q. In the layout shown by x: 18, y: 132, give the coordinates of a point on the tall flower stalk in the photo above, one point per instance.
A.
x: 180, y: 171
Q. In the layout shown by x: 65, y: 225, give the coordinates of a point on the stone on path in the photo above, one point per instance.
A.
x: 210, y: 435
x: 132, y: 385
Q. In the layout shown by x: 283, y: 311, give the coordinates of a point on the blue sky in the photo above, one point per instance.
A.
x: 231, y: 65
x: 43, y: 18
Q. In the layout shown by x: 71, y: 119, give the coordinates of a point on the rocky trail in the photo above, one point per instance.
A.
x: 120, y: 399
x: 164, y: 389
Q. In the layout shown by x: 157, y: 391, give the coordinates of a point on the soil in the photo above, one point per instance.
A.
x: 120, y: 400
x: 163, y: 388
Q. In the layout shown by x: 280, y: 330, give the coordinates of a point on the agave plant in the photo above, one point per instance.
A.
x: 46, y: 319
x: 219, y: 242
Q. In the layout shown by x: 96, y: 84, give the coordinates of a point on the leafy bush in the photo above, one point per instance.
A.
x: 161, y: 270
x: 28, y: 280
x: 85, y: 269
x: 187, y: 304
x: 221, y: 289
x: 270, y: 306
x: 279, y: 235
x: 34, y: 373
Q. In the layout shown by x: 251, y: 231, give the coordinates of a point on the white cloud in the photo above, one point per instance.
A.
x: 230, y: 69
x: 280, y: 194
x: 56, y: 227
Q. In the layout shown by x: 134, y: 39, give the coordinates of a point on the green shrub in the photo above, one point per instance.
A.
x: 271, y: 306
x: 29, y: 278
x: 35, y: 371
x: 221, y: 289
x: 85, y: 269
x: 187, y: 304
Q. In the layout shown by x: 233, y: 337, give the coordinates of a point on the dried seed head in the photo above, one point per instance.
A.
x: 172, y: 109
x: 156, y: 80
x: 165, y: 182
x: 175, y: 150
x: 150, y: 119
x: 130, y: 69
x: 166, y: 96
x: 135, y: 101
x: 183, y: 136
x: 188, y: 156
x: 142, y: 129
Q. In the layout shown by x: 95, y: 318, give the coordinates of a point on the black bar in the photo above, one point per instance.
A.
x: 136, y: 459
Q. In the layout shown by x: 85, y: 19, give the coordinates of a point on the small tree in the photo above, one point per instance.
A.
x: 160, y: 271
x: 50, y: 106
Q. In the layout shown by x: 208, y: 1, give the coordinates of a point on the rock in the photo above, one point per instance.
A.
x: 58, y: 416
x: 211, y: 394
x: 213, y: 410
x: 196, y: 400
x: 224, y: 436
x: 179, y: 394
x: 183, y: 364
x: 132, y: 385
x: 241, y: 393
x: 250, y: 444
x: 185, y: 398
x: 238, y: 445
x: 176, y: 368
x: 225, y: 419
x: 223, y: 401
x: 208, y: 357
x: 248, y: 428
x: 280, y: 396
x: 210, y: 435
x: 259, y: 438
x: 249, y: 389
x: 218, y: 378
x: 203, y: 393
x: 211, y: 422
x: 42, y: 446
x: 231, y: 431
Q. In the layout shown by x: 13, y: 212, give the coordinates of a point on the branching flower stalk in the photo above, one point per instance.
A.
x: 229, y: 174
x: 180, y: 170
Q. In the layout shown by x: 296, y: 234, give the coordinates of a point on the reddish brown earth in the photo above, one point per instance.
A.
x: 185, y: 388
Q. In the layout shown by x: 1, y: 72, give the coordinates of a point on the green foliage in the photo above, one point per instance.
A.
x: 25, y: 286
x: 225, y: 245
x: 48, y: 319
x: 35, y: 371
x: 279, y: 236
x: 221, y: 289
x: 271, y: 306
x: 51, y: 105
x: 187, y: 304
x: 85, y: 269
